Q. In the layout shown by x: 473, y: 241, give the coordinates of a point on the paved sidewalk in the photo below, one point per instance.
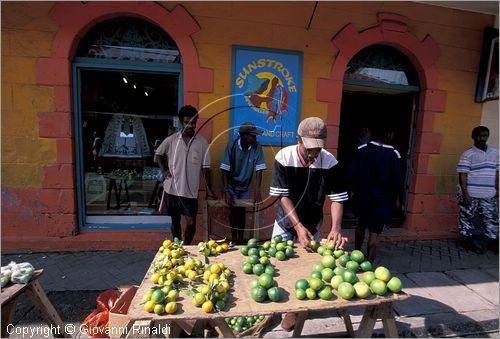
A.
x: 454, y: 292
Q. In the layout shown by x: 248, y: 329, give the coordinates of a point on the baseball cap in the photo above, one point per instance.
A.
x: 249, y: 128
x: 313, y: 132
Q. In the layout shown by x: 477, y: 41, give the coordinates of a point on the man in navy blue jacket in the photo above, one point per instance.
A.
x: 376, y: 181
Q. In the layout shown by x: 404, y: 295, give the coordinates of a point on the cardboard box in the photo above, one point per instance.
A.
x: 118, y: 318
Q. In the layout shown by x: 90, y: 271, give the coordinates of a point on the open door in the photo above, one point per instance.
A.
x: 361, y: 108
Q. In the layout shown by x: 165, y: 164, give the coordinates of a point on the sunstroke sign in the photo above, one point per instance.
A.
x: 265, y: 89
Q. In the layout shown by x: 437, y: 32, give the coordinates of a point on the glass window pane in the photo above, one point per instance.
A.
x: 382, y: 64
x: 125, y: 115
x: 129, y: 39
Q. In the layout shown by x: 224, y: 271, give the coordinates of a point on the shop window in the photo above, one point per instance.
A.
x: 129, y: 39
x: 128, y: 75
x: 381, y: 64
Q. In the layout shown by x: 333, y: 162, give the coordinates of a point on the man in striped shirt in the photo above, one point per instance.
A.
x: 303, y: 175
x: 478, y: 190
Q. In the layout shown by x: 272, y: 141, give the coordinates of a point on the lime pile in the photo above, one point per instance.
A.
x: 214, y: 247
x: 276, y: 247
x: 264, y: 287
x: 240, y: 324
x: 340, y: 268
x: 258, y: 260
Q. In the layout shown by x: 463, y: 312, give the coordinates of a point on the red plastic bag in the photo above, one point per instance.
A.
x: 96, y: 324
x: 107, y: 299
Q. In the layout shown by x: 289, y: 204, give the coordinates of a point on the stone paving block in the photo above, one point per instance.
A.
x: 479, y: 281
x: 492, y: 271
x: 420, y: 302
x: 445, y: 290
x: 319, y: 324
x: 448, y: 324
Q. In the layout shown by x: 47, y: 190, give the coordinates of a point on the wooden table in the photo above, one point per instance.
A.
x: 240, y: 302
x: 35, y: 293
x: 245, y: 203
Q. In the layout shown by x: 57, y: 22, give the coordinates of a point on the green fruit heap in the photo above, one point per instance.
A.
x: 265, y: 288
x: 276, y: 247
x: 258, y: 259
x: 214, y: 247
x: 340, y: 268
x: 240, y: 324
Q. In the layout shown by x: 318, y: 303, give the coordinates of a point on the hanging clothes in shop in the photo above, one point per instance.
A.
x: 125, y: 136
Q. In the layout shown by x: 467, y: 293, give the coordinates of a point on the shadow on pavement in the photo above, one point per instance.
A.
x: 440, y: 320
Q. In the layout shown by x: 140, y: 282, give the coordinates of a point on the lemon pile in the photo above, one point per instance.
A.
x: 212, y: 293
x: 167, y: 272
x: 214, y: 247
x: 175, y: 269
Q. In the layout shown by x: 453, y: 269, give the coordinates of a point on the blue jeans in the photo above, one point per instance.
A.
x: 277, y: 230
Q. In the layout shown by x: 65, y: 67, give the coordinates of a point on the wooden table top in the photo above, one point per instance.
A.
x: 11, y: 291
x: 240, y: 302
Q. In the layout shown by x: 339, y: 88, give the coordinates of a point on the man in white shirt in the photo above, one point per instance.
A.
x: 478, y: 190
x: 180, y: 157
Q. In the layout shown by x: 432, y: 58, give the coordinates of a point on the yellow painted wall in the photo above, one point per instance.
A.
x: 27, y: 34
x: 283, y: 25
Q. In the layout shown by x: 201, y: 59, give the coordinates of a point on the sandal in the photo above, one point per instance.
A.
x: 470, y: 246
x: 288, y: 322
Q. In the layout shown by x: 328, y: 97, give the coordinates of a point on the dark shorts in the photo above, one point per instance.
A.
x: 175, y: 205
x: 235, y: 194
x: 373, y: 226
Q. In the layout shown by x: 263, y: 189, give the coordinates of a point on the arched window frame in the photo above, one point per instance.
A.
x: 74, y: 19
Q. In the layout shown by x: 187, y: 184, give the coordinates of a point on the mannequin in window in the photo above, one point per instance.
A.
x: 96, y: 149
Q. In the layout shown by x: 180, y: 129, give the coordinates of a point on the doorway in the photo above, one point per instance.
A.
x: 360, y: 108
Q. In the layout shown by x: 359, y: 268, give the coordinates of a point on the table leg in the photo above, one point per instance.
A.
x: 38, y: 297
x: 125, y: 183
x: 347, y: 321
x: 140, y: 329
x: 119, y: 194
x: 299, y: 323
x: 387, y: 315
x: 372, y: 313
x: 8, y: 313
x: 256, y: 221
x: 222, y: 328
x: 112, y: 184
x: 368, y: 321
x: 154, y: 194
x: 205, y: 221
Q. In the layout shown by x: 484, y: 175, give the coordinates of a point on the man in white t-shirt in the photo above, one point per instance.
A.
x: 180, y: 157
x: 478, y: 190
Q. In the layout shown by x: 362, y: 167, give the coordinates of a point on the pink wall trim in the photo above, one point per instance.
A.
x: 75, y: 19
x: 392, y: 30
